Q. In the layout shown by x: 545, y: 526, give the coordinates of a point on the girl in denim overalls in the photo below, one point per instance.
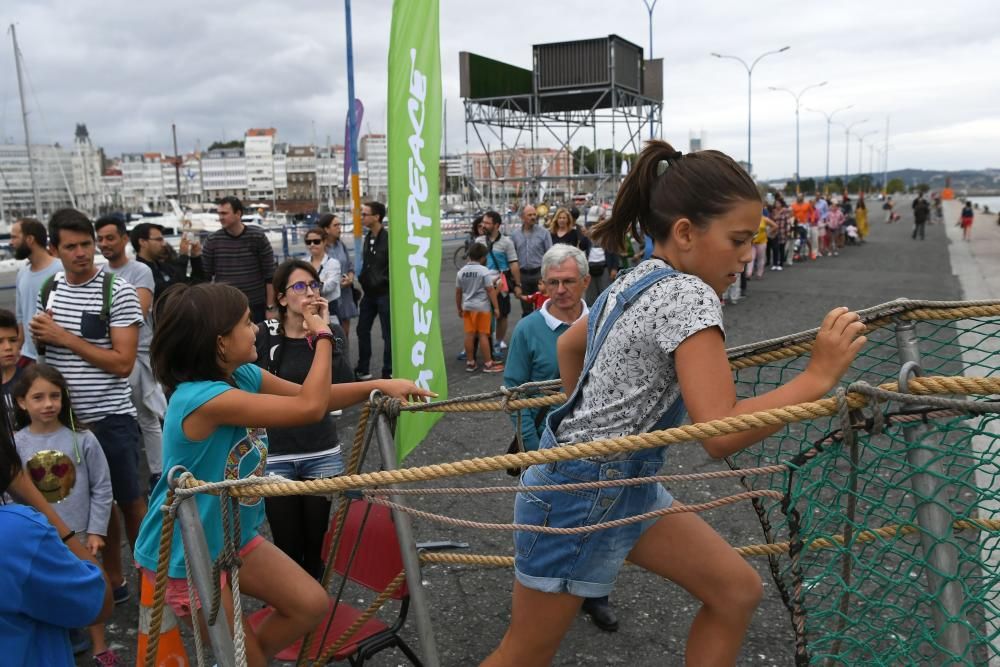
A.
x: 652, y: 350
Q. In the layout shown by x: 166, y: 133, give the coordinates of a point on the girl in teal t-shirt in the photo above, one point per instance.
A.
x: 220, y: 403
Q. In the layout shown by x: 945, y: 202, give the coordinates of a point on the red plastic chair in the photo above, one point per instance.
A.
x: 376, y: 562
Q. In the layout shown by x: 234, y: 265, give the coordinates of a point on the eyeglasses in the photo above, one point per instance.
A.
x: 156, y: 239
x: 554, y: 283
x: 301, y: 286
x: 314, y: 241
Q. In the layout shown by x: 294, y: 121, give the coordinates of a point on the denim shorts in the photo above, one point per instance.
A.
x: 312, y: 467
x: 584, y: 564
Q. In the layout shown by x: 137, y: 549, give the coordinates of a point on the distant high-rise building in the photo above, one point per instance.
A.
x: 53, y: 170
x: 697, y: 143
x: 374, y: 152
x: 224, y: 173
x: 258, y: 147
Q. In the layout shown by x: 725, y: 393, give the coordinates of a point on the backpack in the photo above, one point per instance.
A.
x: 270, y: 350
x: 107, y: 289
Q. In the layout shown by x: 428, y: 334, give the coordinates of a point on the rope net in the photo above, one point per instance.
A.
x: 880, y: 512
x: 924, y: 596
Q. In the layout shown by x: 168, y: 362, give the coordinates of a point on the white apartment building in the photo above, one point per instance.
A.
x: 191, y: 187
x: 373, y: 149
x: 280, y: 171
x: 111, y: 188
x: 142, y: 180
x: 258, y: 147
x: 224, y: 173
x: 330, y: 172
x: 53, y: 170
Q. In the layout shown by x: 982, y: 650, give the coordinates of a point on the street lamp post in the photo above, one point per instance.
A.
x: 749, y: 69
x: 797, y: 97
x: 847, y: 146
x: 829, y: 121
x: 650, y: 6
x: 861, y: 153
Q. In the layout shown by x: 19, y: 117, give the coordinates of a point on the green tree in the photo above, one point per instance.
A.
x: 235, y: 143
x: 923, y: 188
x: 895, y: 185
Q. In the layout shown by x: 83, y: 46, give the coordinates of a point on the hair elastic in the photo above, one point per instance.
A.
x: 661, y: 166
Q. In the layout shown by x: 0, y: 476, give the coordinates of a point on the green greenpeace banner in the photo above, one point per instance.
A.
x: 414, y: 140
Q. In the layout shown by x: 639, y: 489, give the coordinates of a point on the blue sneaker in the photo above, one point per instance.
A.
x: 79, y: 639
x: 461, y: 356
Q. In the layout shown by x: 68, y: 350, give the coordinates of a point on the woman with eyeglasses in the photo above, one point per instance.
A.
x: 301, y: 452
x: 326, y: 267
x: 347, y: 306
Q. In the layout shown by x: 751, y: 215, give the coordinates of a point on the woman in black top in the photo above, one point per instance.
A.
x: 564, y: 230
x: 298, y: 523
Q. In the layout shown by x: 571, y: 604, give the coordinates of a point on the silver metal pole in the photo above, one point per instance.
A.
x: 408, y: 547
x: 24, y: 117
x: 934, y: 521
x: 197, y: 557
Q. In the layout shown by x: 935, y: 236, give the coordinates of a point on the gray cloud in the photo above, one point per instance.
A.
x: 129, y: 69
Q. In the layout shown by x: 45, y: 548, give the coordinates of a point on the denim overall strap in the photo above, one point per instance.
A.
x: 595, y: 339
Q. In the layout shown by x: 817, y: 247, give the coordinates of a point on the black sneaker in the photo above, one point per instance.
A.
x: 121, y: 594
x: 601, y: 614
x: 361, y: 377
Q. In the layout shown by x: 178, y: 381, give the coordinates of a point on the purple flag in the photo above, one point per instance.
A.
x: 351, y: 143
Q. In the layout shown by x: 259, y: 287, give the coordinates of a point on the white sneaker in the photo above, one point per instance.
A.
x: 779, y: 268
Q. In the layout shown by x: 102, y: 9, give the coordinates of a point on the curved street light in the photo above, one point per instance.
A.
x: 861, y: 153
x: 749, y: 68
x: 829, y: 121
x: 650, y: 6
x: 798, y: 104
x: 847, y: 145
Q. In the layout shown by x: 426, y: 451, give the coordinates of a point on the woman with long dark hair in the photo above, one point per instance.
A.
x: 304, y: 452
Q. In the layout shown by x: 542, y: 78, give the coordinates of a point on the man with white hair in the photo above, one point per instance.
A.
x: 532, y: 358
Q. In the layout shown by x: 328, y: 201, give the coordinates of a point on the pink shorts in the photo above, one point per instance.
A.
x: 177, y: 589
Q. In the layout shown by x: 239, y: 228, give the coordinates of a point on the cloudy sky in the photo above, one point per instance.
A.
x: 128, y: 69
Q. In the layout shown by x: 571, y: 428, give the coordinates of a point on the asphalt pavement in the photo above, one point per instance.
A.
x: 470, y: 606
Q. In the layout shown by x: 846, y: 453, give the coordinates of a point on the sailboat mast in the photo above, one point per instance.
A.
x: 24, y: 117
x: 177, y: 162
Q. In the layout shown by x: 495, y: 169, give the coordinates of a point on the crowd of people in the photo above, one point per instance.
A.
x: 221, y: 361
x: 173, y: 355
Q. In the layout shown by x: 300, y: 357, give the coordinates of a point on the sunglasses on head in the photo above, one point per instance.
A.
x: 313, y: 241
x: 300, y: 286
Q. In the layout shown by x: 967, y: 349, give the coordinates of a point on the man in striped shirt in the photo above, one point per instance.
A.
x: 95, y: 348
x: 242, y: 256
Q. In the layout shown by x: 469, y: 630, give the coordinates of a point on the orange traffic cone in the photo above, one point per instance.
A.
x: 170, y: 652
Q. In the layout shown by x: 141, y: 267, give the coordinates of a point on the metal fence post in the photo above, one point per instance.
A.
x: 408, y: 546
x: 933, y: 517
x: 197, y: 557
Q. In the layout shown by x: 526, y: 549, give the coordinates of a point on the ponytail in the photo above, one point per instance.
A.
x: 665, y: 186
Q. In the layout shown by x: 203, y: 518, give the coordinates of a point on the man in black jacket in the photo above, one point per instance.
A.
x: 374, y: 281
x: 151, y: 249
x: 921, y: 212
